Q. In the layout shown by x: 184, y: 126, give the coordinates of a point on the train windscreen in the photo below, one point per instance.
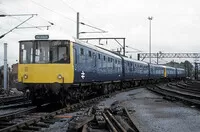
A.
x: 56, y: 51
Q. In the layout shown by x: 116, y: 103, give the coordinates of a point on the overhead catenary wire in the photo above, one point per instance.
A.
x: 53, y: 11
x: 16, y: 27
x: 56, y: 12
x: 17, y: 19
x: 45, y: 19
x: 22, y: 14
x: 69, y: 6
x: 32, y: 26
x: 38, y: 4
x: 83, y: 18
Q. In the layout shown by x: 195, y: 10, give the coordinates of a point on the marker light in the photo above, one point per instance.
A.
x: 25, y: 76
x: 59, y: 76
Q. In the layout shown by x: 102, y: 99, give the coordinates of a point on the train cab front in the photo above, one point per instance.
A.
x: 44, y: 66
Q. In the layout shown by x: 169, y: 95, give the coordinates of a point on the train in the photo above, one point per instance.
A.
x: 59, y: 68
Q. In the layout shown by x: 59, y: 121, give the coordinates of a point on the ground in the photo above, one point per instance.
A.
x: 150, y: 112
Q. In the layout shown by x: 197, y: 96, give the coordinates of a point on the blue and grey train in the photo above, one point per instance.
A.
x: 56, y: 68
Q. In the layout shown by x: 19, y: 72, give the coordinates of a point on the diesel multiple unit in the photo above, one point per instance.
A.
x: 55, y: 68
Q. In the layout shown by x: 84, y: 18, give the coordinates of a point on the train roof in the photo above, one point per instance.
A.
x: 50, y: 35
x: 169, y: 67
x: 180, y: 69
x: 157, y: 65
x: 136, y: 61
x: 97, y: 48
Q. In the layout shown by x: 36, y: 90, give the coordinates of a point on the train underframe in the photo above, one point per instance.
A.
x: 71, y: 93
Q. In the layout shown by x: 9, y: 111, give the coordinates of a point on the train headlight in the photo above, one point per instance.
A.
x: 59, y: 76
x: 25, y: 76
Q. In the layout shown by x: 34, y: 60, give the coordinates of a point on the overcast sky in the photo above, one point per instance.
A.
x: 175, y: 24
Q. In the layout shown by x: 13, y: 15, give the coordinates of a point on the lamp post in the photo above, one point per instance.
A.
x: 150, y: 18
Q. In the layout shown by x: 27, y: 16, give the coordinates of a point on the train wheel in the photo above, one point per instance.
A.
x: 66, y: 102
x: 62, y: 99
x: 109, y: 88
x: 104, y: 89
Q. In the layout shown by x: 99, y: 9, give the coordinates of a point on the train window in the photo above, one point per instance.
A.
x: 60, y: 51
x: 82, y: 51
x: 90, y: 53
x: 111, y: 59
x: 42, y: 52
x: 99, y: 56
x: 115, y: 61
x: 118, y: 62
x: 104, y: 58
x: 26, y: 52
x: 94, y: 55
x: 108, y: 59
x: 133, y: 68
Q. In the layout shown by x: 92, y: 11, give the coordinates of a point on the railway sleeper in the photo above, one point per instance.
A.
x: 125, y: 125
x: 41, y: 124
x: 81, y: 121
x: 34, y: 128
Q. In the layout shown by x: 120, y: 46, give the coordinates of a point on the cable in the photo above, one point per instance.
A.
x: 9, y: 29
x: 60, y: 13
x: 69, y: 6
x: 53, y: 11
x: 18, y: 19
x: 92, y: 24
x: 133, y: 48
x: 93, y: 27
x: 27, y: 22
x: 46, y: 20
x: 16, y: 27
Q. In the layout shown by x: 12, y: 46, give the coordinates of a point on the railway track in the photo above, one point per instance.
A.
x: 178, y: 91
x: 38, y: 120
x: 16, y: 105
x: 106, y: 119
x: 184, y: 88
x: 11, y: 99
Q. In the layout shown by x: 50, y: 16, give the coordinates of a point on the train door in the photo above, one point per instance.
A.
x: 94, y: 68
x: 77, y: 70
x: 148, y: 69
x: 75, y: 58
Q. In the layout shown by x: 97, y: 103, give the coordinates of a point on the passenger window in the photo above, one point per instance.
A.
x: 94, y: 55
x: 104, y: 58
x: 82, y: 51
x: 99, y: 56
x: 90, y: 54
